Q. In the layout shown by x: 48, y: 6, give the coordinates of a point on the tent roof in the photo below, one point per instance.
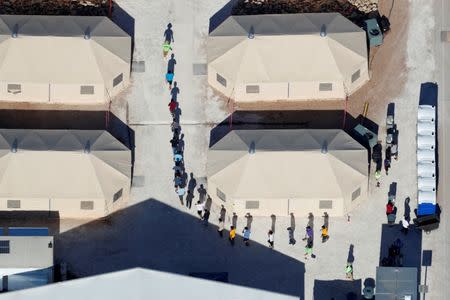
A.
x: 287, y: 163
x: 87, y: 164
x: 47, y: 46
x: 286, y: 48
x: 139, y: 284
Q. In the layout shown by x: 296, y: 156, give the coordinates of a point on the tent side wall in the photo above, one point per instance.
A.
x: 113, y: 86
x: 283, y: 207
x: 24, y: 91
x: 225, y: 86
x: 67, y: 208
x: 52, y: 93
x: 354, y: 84
x: 116, y: 203
x: 77, y: 93
x: 352, y: 200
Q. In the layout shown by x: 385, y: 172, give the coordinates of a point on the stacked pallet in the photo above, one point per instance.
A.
x: 55, y: 7
x: 347, y: 8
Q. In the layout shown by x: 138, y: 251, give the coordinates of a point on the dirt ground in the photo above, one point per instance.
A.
x: 387, y: 65
x: 387, y: 72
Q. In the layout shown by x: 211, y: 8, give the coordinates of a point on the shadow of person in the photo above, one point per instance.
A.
x: 292, y: 222
x: 234, y: 220
x: 325, y: 219
x: 274, y: 219
x: 311, y: 220
x: 168, y: 34
x: 350, y: 257
x: 223, y: 212
x: 407, y: 214
x: 249, y: 218
x: 171, y: 64
x: 201, y: 193
x: 208, y: 203
x: 192, y: 183
x: 189, y: 197
x: 174, y: 91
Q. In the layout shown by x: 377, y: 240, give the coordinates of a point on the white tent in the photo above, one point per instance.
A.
x: 267, y: 172
x: 80, y: 173
x: 287, y: 57
x: 138, y: 283
x: 65, y: 59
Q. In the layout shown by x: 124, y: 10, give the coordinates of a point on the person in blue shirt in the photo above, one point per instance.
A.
x: 178, y: 157
x: 180, y: 191
x: 169, y: 78
x: 246, y: 235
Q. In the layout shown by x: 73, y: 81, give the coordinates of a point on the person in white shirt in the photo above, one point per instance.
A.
x: 200, y: 208
x: 270, y: 240
x: 405, y: 226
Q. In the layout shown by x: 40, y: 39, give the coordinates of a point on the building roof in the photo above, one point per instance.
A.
x: 47, y: 47
x: 287, y: 48
x: 63, y: 164
x: 287, y: 163
x: 396, y: 283
x: 136, y: 284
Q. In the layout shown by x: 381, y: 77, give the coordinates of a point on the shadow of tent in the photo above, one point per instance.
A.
x: 300, y: 119
x: 156, y: 236
x: 337, y: 289
x: 125, y: 21
x: 221, y: 15
x: 412, y: 245
x: 46, y: 219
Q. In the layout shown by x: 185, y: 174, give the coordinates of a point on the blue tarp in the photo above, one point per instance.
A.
x: 27, y: 231
x: 426, y: 209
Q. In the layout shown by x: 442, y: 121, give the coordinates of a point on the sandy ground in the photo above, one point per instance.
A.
x: 157, y: 232
x: 387, y: 65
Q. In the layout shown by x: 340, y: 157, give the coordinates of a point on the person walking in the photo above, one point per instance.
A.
x: 200, y: 207
x: 174, y: 144
x: 169, y: 78
x: 220, y: 227
x: 166, y: 48
x: 178, y: 157
x: 309, y: 234
x: 201, y: 193
x: 405, y: 226
x: 270, y: 238
x: 232, y: 235
x: 394, y: 151
x: 349, y: 271
x: 172, y: 107
x: 387, y: 165
x: 180, y: 192
x: 206, y: 217
x: 291, y: 236
x: 175, y: 126
x: 377, y: 177
x: 324, y: 234
x: 246, y: 235
x: 309, y: 249
x: 189, y: 198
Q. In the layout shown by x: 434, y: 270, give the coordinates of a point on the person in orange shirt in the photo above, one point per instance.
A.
x: 232, y: 235
x: 324, y: 234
